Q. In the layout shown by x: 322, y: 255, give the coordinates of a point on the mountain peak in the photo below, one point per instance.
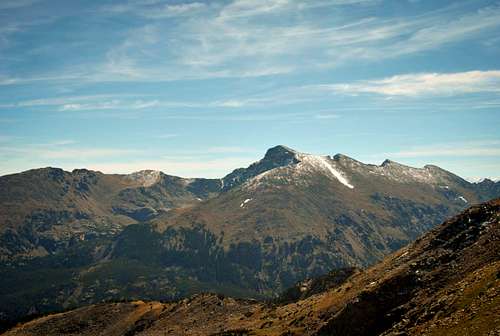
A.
x: 280, y: 155
x: 277, y: 156
x: 340, y: 156
x: 388, y: 162
x: 280, y: 151
x: 344, y: 158
x: 397, y: 165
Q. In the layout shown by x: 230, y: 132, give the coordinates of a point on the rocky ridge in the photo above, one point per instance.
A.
x: 88, y: 237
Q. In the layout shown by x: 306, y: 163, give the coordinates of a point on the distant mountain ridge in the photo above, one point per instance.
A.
x: 88, y: 236
x: 46, y: 203
x: 116, y: 200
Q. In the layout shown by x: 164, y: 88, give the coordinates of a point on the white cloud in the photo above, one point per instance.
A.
x: 423, y: 84
x: 174, y: 10
x: 110, y: 105
x: 155, y: 9
x: 61, y: 100
x: 236, y: 40
x: 255, y: 8
x: 122, y: 102
x: 247, y: 8
x: 95, y: 102
x: 248, y: 117
x: 404, y: 85
x: 445, y: 30
x: 9, y: 80
x: 126, y: 102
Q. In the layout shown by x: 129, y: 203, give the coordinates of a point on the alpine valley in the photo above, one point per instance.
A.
x: 69, y: 239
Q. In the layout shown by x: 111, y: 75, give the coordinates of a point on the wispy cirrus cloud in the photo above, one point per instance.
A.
x: 154, y: 9
x: 241, y: 38
x: 168, y: 10
x: 110, y: 105
x: 122, y: 102
x: 403, y: 85
x: 236, y: 40
x: 6, y: 80
x: 250, y: 8
x: 436, y: 29
x: 11, y: 4
x: 412, y: 85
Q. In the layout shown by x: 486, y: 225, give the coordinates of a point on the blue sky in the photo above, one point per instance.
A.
x: 197, y: 88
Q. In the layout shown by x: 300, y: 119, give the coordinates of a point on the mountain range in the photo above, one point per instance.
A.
x: 445, y: 283
x: 73, y: 238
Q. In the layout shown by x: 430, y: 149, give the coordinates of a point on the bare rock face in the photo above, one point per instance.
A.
x: 279, y: 156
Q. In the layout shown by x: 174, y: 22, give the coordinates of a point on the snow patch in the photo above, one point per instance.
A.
x: 401, y: 173
x: 245, y: 202
x: 475, y: 179
x: 478, y: 180
x: 322, y: 162
x: 258, y: 180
